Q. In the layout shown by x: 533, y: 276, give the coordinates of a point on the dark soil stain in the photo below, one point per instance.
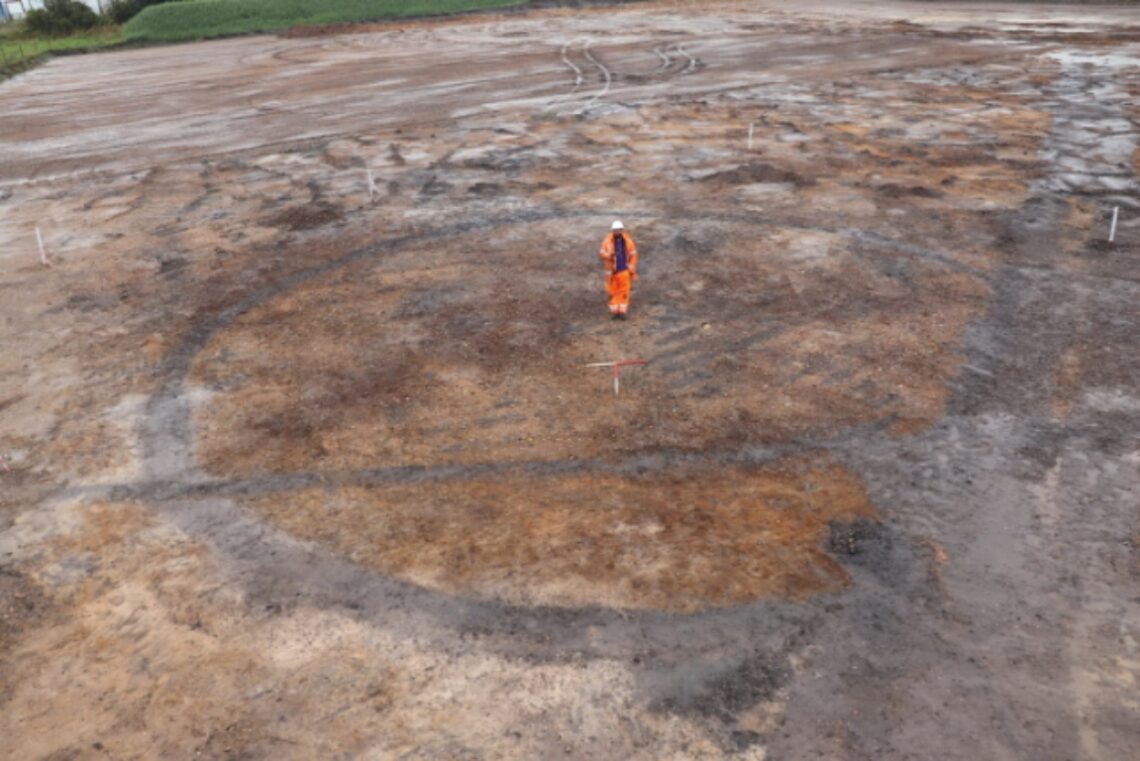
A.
x: 855, y: 537
x: 726, y: 693
x: 755, y: 172
x: 305, y: 217
x: 892, y: 190
x: 23, y: 606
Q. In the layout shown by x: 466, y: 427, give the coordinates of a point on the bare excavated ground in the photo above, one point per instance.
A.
x: 296, y: 467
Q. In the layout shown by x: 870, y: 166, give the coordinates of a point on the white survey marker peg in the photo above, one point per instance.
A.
x: 617, y: 365
x: 43, y: 251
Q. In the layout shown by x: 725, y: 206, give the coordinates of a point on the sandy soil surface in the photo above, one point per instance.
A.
x: 301, y: 459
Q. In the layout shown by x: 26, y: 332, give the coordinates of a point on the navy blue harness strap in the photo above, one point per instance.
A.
x: 620, y: 262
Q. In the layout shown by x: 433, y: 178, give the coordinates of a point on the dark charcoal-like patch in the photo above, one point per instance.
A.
x: 865, y: 547
x: 486, y: 189
x: 1101, y: 246
x: 729, y: 692
x: 891, y: 190
x: 305, y: 217
x: 756, y: 171
x: 88, y: 302
x: 434, y: 187
x: 172, y: 266
x: 23, y: 606
x: 507, y: 160
x: 856, y: 537
x: 743, y: 739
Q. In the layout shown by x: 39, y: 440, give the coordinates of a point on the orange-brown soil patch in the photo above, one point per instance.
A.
x: 790, y: 334
x: 669, y: 542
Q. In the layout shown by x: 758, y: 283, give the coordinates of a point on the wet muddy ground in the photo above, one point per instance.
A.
x: 301, y: 456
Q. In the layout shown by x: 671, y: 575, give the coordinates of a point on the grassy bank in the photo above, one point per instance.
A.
x: 201, y: 19
x: 19, y: 51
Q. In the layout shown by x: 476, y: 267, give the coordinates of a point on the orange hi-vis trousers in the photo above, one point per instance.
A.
x: 617, y: 287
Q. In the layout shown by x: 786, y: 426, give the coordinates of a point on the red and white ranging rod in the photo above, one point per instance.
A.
x: 617, y: 366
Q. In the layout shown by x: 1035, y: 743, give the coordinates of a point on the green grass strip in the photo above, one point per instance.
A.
x: 16, y: 51
x: 201, y: 19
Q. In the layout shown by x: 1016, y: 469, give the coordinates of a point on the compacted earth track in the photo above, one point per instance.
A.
x: 301, y: 457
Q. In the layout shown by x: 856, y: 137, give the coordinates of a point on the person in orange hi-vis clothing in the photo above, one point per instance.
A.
x: 620, y: 256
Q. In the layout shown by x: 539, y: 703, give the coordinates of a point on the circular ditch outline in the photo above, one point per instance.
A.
x: 276, y: 567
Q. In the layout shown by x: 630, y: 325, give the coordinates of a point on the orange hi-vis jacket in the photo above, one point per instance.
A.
x: 606, y: 253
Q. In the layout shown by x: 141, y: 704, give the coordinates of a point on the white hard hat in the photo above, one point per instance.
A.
x: 617, y: 225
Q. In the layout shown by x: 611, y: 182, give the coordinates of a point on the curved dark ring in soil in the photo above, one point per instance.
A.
x: 279, y: 570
